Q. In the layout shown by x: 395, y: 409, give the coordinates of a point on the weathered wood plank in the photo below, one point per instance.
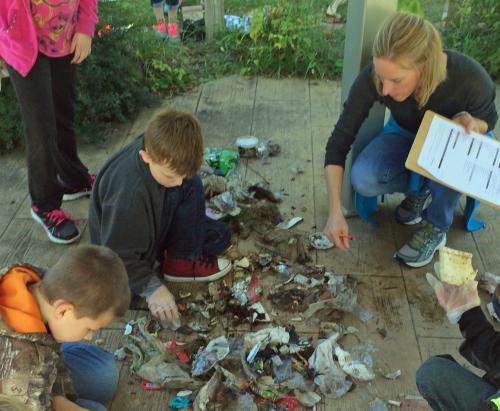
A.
x: 13, y: 186
x: 386, y: 299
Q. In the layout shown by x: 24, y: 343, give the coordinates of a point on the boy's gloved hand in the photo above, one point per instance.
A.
x: 162, y: 305
x: 455, y: 299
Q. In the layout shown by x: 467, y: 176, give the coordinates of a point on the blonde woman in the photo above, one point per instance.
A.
x: 410, y: 73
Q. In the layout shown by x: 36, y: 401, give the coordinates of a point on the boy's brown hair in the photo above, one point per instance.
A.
x: 92, y: 278
x: 174, y: 137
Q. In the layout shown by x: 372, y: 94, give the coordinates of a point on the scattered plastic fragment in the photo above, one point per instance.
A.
x: 394, y: 402
x: 150, y: 386
x: 320, y: 241
x: 243, y: 263
x: 128, y: 329
x: 353, y: 367
x: 207, y: 392
x: 168, y: 375
x: 237, y: 22
x: 283, y: 371
x: 254, y: 289
x: 286, y: 225
x: 392, y: 375
x: 216, y: 350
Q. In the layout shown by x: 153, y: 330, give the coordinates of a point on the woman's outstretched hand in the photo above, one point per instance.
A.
x: 337, y: 231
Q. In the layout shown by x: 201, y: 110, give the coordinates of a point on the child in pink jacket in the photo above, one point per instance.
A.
x: 41, y: 41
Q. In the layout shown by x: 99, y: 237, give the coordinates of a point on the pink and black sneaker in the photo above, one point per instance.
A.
x: 173, y: 33
x: 70, y: 195
x: 205, y: 268
x: 60, y: 228
x: 161, y: 29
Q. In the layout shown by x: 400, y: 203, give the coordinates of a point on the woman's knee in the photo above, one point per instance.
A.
x: 362, y: 180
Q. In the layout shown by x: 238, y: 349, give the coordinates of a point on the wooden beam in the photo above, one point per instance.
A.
x: 214, y: 17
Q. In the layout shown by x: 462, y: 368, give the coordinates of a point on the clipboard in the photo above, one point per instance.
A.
x: 416, y: 148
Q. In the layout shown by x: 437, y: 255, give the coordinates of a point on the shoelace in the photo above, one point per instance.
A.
x: 422, y: 236
x: 415, y: 202
x: 92, y: 180
x: 57, y: 216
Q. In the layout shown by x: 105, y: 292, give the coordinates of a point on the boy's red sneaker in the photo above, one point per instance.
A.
x: 205, y: 268
x: 161, y: 28
x: 60, y: 228
x: 85, y: 191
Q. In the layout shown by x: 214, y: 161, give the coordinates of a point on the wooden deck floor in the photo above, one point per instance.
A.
x: 299, y: 115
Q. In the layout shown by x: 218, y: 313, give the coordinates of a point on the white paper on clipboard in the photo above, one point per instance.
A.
x: 469, y: 163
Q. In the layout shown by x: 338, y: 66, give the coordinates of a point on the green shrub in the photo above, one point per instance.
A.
x: 474, y: 29
x: 110, y: 84
x: 11, y: 131
x: 285, y: 39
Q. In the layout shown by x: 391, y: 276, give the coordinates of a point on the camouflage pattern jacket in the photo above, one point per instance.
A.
x: 31, y: 366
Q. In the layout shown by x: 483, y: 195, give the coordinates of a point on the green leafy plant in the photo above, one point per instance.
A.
x: 10, y: 124
x: 110, y: 85
x: 284, y: 39
x: 474, y: 29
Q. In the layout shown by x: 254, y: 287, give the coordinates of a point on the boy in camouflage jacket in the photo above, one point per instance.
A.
x: 84, y: 291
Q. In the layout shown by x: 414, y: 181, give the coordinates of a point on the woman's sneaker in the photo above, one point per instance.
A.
x: 420, y: 250
x: 205, y: 268
x: 60, y: 228
x: 70, y: 195
x: 410, y: 210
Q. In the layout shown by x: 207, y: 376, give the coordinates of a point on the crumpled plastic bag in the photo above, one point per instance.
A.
x: 215, y: 351
x: 168, y: 375
x: 455, y: 299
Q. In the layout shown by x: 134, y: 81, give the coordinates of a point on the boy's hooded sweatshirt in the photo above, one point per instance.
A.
x: 31, y: 365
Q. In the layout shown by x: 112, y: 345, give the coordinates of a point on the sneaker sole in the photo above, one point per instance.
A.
x: 75, y: 196
x: 419, y: 264
x: 49, y: 234
x: 417, y: 219
x: 208, y: 278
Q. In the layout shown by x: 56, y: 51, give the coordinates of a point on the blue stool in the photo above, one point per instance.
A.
x: 366, y: 206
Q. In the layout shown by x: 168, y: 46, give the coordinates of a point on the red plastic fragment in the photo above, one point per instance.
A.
x: 148, y: 386
x: 291, y: 403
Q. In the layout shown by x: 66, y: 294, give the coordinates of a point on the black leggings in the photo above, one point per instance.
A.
x: 47, y: 97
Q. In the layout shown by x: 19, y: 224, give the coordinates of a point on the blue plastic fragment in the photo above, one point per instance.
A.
x: 179, y: 403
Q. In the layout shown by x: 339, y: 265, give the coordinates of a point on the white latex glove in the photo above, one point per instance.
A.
x: 455, y: 299
x: 162, y: 305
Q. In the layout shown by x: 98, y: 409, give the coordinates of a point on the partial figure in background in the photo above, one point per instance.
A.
x: 410, y: 74
x: 168, y: 29
x: 41, y: 47
x: 444, y: 383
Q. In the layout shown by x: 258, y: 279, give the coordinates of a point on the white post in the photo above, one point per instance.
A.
x: 214, y: 17
x: 364, y: 17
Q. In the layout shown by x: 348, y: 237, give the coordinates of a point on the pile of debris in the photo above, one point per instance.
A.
x: 272, y: 368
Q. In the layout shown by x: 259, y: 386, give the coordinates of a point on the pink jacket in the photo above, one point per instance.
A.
x: 18, y: 42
